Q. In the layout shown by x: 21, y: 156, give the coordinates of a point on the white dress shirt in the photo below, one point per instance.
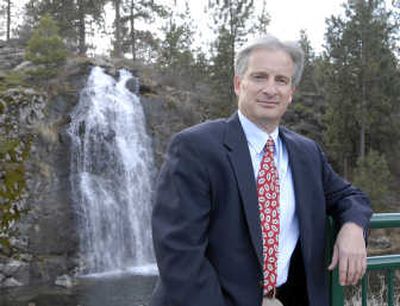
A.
x: 289, y: 225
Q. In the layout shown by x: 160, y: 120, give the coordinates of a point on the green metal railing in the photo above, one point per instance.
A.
x: 387, y: 263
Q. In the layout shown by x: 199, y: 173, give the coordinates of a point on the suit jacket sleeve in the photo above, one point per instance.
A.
x: 345, y: 203
x: 180, y: 221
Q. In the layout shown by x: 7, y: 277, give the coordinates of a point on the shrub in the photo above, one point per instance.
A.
x: 46, y: 48
x: 373, y: 176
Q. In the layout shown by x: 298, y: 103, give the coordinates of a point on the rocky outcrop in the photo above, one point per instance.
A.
x: 46, y: 248
x: 11, y: 55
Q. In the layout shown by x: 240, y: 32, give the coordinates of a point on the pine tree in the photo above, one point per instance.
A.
x: 175, y: 52
x: 127, y: 37
x: 46, y: 48
x: 305, y: 113
x: 71, y: 17
x: 373, y: 165
x: 233, y: 20
x: 362, y: 83
x: 263, y: 20
x: 222, y: 72
x: 5, y: 14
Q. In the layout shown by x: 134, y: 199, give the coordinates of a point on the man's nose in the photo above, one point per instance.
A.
x: 269, y: 87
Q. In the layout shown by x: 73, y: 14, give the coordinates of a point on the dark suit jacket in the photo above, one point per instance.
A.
x: 206, y: 227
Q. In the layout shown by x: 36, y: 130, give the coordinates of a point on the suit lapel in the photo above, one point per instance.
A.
x: 300, y: 167
x: 239, y: 156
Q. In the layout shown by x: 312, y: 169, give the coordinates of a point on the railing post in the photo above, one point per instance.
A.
x: 336, y: 291
x: 390, y: 289
x: 364, y: 290
x: 388, y: 263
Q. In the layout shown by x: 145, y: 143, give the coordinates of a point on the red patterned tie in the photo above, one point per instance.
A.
x: 268, y: 202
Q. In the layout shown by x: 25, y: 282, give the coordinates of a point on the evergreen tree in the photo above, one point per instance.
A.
x: 71, y: 17
x: 222, y: 72
x: 46, y: 48
x: 233, y: 23
x: 118, y: 29
x: 127, y: 37
x: 175, y: 50
x: 362, y: 83
x: 308, y: 80
x: 263, y: 20
x: 201, y: 68
x: 305, y: 113
x: 5, y: 16
x: 374, y: 165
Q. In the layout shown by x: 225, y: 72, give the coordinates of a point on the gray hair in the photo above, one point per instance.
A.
x: 270, y: 42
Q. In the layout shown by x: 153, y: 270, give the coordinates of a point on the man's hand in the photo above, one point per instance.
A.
x: 350, y: 253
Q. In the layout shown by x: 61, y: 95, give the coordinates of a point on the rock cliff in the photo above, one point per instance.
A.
x: 37, y: 114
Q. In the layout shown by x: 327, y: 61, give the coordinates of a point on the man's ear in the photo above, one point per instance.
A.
x: 291, y: 95
x: 236, y: 84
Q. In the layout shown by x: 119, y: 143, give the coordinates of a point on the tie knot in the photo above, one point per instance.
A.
x: 270, y: 145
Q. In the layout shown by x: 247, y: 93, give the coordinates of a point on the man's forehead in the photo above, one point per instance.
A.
x: 260, y: 63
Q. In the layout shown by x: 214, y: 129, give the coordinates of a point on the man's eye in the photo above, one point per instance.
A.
x: 258, y: 77
x: 282, y: 81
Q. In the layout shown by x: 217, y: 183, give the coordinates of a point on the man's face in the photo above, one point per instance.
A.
x: 265, y: 90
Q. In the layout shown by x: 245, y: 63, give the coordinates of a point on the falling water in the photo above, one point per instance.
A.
x: 111, y: 176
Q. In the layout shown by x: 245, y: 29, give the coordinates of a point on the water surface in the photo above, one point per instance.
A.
x: 122, y: 290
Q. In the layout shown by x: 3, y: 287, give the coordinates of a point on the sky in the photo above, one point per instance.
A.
x: 288, y: 17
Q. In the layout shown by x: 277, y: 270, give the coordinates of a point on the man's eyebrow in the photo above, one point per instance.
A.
x: 260, y: 72
x: 283, y: 76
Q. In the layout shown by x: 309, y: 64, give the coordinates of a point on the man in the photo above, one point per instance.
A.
x: 241, y: 204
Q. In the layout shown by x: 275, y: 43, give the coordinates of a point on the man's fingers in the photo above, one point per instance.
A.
x: 353, y: 270
x: 335, y: 258
x: 351, y: 254
x: 343, y: 269
x: 361, y: 268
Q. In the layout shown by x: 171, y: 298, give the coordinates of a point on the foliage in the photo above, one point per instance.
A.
x: 305, y: 113
x: 235, y: 16
x: 373, y: 176
x: 46, y: 48
x: 127, y: 37
x: 14, y: 150
x: 362, y: 83
x: 12, y: 180
x: 12, y: 79
x: 263, y: 20
x: 6, y: 14
x: 309, y: 78
x: 175, y: 55
x: 72, y: 17
x: 222, y: 72
x: 233, y: 21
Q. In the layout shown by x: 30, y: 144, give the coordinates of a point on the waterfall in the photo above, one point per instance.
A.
x: 111, y: 177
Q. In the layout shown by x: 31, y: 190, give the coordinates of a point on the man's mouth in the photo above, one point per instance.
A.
x: 267, y: 102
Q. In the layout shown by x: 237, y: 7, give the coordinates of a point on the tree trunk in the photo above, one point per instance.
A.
x: 233, y: 37
x: 363, y: 127
x: 132, y: 23
x: 8, y: 32
x: 81, y: 29
x: 117, y: 44
x: 364, y: 69
x: 346, y: 167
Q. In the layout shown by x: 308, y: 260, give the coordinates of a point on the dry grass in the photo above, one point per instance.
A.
x: 390, y: 236
x: 377, y: 291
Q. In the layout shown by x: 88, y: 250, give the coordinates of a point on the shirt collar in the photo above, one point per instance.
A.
x: 256, y: 137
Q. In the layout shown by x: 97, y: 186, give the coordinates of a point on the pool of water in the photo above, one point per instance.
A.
x: 122, y: 290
